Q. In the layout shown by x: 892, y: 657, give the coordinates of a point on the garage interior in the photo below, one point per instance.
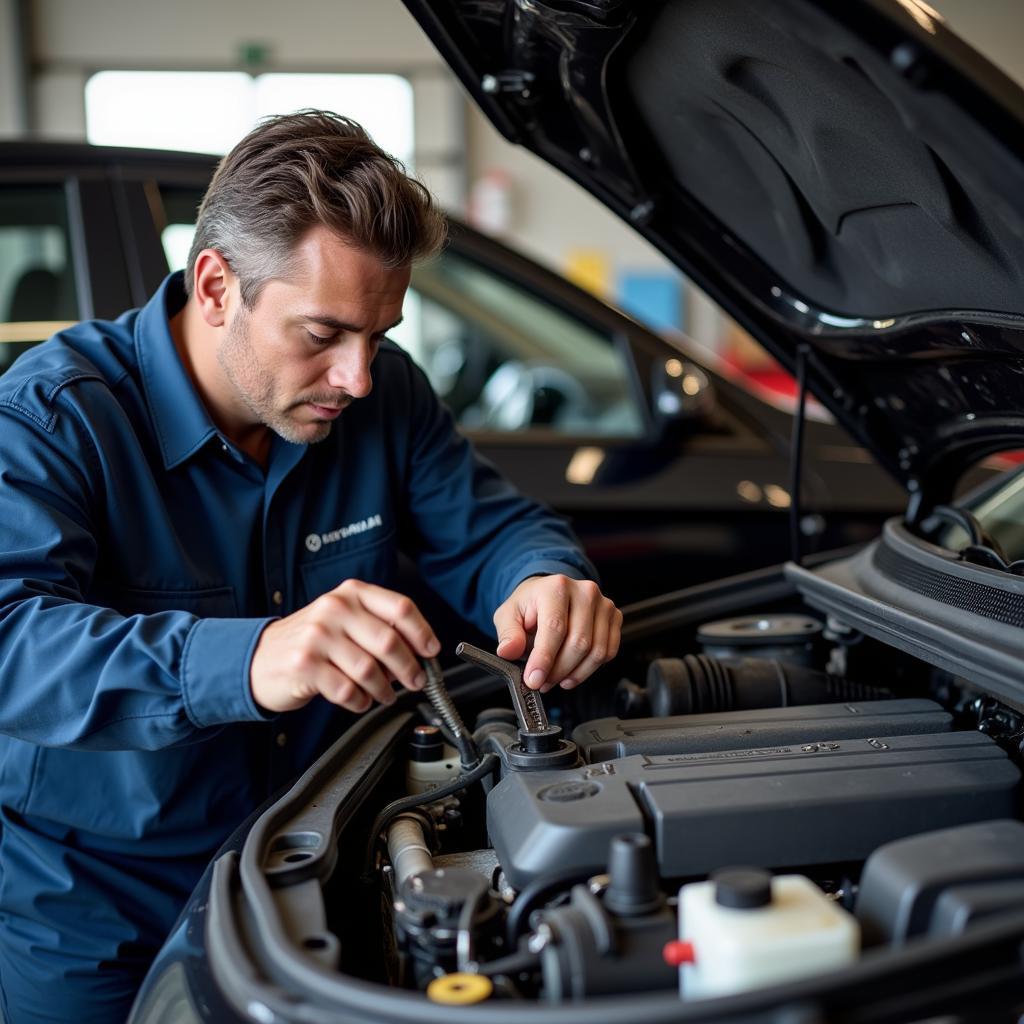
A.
x: 806, y: 557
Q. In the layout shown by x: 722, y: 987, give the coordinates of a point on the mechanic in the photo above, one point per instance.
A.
x: 201, y: 509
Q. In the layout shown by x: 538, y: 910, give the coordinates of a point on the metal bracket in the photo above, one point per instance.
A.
x: 511, y: 81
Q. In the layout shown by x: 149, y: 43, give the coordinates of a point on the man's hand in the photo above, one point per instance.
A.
x: 347, y: 645
x: 575, y: 630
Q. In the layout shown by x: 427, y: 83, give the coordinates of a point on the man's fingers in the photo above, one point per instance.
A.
x: 580, y: 635
x: 347, y: 645
x: 310, y: 672
x: 400, y: 612
x: 552, y: 604
x: 384, y: 646
x: 326, y: 660
x: 388, y: 627
x: 352, y: 663
x: 512, y: 647
x: 605, y: 645
x: 347, y: 695
x: 573, y: 675
x: 615, y: 637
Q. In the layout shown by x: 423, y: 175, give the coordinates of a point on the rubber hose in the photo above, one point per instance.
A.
x: 406, y: 803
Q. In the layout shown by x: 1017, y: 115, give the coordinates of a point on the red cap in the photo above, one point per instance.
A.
x: 678, y: 952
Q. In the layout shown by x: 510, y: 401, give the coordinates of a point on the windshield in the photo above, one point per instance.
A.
x: 1001, y: 513
x: 987, y: 527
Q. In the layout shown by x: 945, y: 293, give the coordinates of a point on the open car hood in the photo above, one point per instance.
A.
x: 845, y: 178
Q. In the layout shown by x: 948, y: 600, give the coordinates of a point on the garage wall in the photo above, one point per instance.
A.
x: 995, y: 27
x: 202, y: 34
x: 13, y: 70
x: 72, y: 39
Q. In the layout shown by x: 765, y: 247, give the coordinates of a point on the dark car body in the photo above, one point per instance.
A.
x: 847, y: 180
x: 661, y: 495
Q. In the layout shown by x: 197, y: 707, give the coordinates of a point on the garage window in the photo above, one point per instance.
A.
x: 156, y: 109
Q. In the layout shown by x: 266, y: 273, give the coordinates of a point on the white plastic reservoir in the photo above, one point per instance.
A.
x: 744, y: 929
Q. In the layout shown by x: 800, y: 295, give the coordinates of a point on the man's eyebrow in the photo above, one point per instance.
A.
x: 339, y: 325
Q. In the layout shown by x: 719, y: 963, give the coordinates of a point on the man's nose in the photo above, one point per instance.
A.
x: 350, y: 370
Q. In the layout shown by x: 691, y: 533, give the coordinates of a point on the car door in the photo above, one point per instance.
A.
x: 62, y: 256
x: 81, y: 232
x: 605, y: 421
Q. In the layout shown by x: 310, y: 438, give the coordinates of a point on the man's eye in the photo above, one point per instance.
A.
x: 319, y: 339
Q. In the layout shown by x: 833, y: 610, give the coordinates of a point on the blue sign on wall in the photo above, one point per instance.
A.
x: 653, y: 297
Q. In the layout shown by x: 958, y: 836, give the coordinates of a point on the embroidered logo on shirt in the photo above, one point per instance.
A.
x: 315, y: 541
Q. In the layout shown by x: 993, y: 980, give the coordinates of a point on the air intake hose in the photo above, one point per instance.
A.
x: 699, y: 683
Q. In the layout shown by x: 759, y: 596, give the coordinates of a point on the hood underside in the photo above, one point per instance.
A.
x: 843, y: 178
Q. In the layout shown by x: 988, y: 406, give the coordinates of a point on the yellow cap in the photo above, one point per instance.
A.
x: 460, y: 989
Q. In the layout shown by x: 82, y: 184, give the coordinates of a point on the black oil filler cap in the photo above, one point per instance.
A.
x: 742, y: 888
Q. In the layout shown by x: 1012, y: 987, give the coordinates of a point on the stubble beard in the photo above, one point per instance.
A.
x: 254, y: 385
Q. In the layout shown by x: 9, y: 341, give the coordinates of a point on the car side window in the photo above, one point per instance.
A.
x: 505, y: 360
x: 37, y: 281
x: 177, y: 225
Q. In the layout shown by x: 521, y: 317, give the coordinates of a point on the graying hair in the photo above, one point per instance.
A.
x: 295, y: 171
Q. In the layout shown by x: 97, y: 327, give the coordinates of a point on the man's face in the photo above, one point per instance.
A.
x: 304, y: 351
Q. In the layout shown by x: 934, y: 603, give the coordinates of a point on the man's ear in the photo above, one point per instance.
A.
x: 212, y: 287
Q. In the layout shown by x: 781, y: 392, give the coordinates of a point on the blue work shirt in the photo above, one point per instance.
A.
x: 142, y: 553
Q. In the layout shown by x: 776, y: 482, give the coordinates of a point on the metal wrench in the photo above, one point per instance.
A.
x: 535, y: 731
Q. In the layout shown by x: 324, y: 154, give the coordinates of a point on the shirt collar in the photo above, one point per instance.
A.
x: 182, y: 423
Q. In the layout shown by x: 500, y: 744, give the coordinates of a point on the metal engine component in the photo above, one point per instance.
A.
x: 820, y: 801
x: 540, y: 744
x: 595, y: 946
x: 441, y: 915
x: 786, y: 637
x: 675, y: 798
x: 407, y: 848
x: 605, y: 739
x: 432, y: 763
x: 699, y: 683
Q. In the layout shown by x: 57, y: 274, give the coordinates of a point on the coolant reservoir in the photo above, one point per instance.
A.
x: 744, y: 929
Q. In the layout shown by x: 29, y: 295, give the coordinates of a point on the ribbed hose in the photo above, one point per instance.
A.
x: 712, y: 680
x: 701, y: 684
x: 840, y: 689
x: 438, y: 697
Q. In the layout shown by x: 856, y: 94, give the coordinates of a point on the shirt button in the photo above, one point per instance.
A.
x: 277, y: 597
x: 282, y: 739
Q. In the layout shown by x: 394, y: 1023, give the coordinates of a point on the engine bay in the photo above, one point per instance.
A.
x: 750, y: 813
x: 747, y: 813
